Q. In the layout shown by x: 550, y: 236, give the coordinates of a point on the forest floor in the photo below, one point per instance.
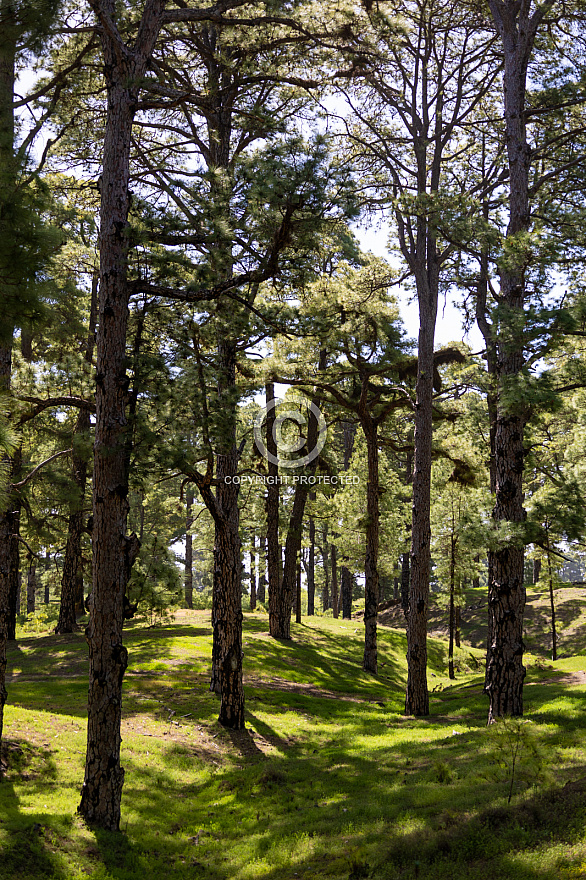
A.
x: 329, y: 780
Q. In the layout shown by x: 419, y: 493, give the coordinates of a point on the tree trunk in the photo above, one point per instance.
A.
x: 335, y: 581
x: 279, y: 615
x: 31, y: 586
x: 505, y: 672
x: 70, y: 606
x: 188, y: 549
x: 72, y: 599
x: 113, y: 551
x: 458, y: 625
x: 371, y: 587
x: 262, y: 568
x: 311, y: 567
x: 417, y: 697
x: 346, y: 592
x: 349, y: 433
x: 252, y: 572
x: 227, y: 590
x: 536, y: 570
x: 298, y: 592
x: 295, y: 529
x: 452, y: 607
x: 554, y: 637
x: 325, y: 596
x: 405, y: 582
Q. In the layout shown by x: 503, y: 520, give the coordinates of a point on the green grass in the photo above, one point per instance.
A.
x: 329, y: 780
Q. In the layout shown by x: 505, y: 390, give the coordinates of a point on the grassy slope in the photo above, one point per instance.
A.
x: 329, y: 780
x: 570, y: 603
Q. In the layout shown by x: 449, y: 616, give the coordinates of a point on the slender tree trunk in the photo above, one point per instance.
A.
x: 417, y: 697
x: 349, y: 433
x: 554, y: 637
x: 262, y: 568
x: 278, y: 613
x: 311, y: 567
x: 113, y: 551
x: 458, y: 625
x: 325, y: 596
x: 31, y: 586
x: 371, y: 585
x: 188, y: 549
x: 71, y: 605
x: 536, y: 570
x: 298, y: 592
x: 335, y: 581
x: 346, y: 592
x: 252, y: 572
x: 452, y: 607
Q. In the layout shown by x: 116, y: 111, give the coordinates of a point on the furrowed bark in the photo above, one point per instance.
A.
x: 417, y: 696
x: 505, y: 672
x: 113, y: 551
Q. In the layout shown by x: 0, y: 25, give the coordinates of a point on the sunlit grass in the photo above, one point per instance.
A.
x: 329, y: 779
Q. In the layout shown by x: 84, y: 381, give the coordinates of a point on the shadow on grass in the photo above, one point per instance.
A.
x: 26, y: 840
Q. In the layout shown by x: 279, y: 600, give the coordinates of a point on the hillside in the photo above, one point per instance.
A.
x: 329, y: 780
x: 570, y: 604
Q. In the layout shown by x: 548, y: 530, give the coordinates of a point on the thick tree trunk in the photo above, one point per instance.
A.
x: 405, y: 581
x: 8, y: 51
x: 227, y: 592
x: 417, y: 697
x: 188, y: 582
x: 311, y: 568
x: 371, y: 586
x: 505, y: 672
x: 113, y: 551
